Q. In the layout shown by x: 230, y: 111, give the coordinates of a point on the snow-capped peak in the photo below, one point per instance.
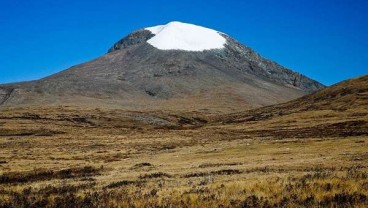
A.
x: 183, y: 36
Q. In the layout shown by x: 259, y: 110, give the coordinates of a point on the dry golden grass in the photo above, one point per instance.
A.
x: 65, y: 157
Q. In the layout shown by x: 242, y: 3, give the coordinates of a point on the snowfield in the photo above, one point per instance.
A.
x: 187, y: 37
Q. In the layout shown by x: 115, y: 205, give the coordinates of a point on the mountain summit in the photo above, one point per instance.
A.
x: 177, y: 66
x: 187, y: 37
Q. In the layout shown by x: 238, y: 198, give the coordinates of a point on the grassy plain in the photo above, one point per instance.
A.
x: 68, y: 157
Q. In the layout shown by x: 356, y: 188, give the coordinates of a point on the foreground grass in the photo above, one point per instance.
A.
x: 317, y: 188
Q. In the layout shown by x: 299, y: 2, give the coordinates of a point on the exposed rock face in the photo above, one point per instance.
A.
x: 134, y: 38
x: 137, y: 76
x: 5, y: 94
x: 251, y: 62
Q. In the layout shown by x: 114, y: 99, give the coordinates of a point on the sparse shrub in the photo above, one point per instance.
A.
x: 155, y: 175
x: 226, y: 172
x: 355, y: 172
x: 216, y: 172
x: 120, y: 183
x: 141, y: 165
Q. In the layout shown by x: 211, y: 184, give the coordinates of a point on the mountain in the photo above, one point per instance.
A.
x: 337, y: 111
x: 176, y: 66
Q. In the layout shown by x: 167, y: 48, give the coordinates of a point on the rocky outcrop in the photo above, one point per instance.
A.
x: 5, y: 94
x: 134, y: 38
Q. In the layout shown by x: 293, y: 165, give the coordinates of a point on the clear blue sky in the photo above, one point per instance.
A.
x: 326, y: 40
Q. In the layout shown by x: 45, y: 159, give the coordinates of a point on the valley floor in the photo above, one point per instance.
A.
x: 75, y: 158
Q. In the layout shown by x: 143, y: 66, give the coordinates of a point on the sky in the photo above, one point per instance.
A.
x: 326, y: 40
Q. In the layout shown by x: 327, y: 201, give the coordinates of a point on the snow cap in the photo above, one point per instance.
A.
x: 184, y: 36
